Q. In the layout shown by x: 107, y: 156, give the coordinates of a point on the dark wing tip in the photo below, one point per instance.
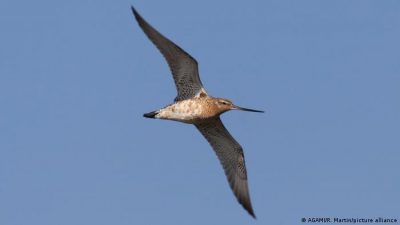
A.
x: 251, y: 212
x: 247, y: 206
x: 135, y: 13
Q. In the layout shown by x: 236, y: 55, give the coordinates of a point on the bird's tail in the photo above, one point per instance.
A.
x: 151, y: 114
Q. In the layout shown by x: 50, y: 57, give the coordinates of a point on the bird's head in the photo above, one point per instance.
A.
x: 226, y: 105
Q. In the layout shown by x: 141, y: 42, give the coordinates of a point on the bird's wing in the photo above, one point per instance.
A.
x: 183, y: 66
x: 230, y: 154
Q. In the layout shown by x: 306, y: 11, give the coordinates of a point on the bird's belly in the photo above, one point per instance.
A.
x: 186, y: 112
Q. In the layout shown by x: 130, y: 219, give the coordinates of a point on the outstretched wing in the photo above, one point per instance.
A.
x: 230, y: 154
x: 183, y: 66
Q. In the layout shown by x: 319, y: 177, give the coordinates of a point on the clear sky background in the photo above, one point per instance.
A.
x: 76, y: 77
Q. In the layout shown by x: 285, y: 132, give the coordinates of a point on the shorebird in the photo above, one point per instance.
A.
x: 194, y: 106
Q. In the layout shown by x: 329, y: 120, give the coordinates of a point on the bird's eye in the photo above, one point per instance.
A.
x: 224, y: 103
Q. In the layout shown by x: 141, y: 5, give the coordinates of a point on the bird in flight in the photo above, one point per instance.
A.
x: 194, y: 106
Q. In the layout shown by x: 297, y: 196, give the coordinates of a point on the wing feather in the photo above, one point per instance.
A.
x: 230, y: 154
x: 184, y: 67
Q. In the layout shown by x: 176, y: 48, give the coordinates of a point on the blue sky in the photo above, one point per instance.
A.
x: 76, y: 77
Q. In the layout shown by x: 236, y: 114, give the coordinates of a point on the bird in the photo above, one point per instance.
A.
x: 193, y: 105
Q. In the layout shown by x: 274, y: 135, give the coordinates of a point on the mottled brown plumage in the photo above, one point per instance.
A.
x: 194, y: 110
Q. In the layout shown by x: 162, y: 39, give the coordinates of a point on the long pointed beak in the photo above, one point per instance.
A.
x: 248, y: 110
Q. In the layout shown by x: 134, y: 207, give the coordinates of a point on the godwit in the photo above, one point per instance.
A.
x: 194, y: 106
